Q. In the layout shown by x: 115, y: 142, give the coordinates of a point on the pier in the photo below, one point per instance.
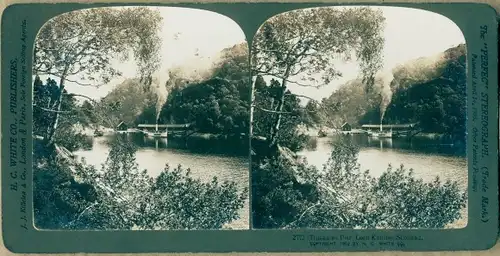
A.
x: 164, y: 130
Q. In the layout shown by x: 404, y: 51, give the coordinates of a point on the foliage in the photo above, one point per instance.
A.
x: 296, y: 46
x: 83, y: 43
x: 219, y: 104
x: 277, y: 196
x: 130, y: 103
x: 178, y: 201
x: 148, y: 114
x: 89, y: 113
x: 79, y: 46
x: 346, y: 197
x: 350, y: 103
x: 125, y: 197
x: 307, y: 41
x: 429, y: 91
x: 266, y: 98
x: 44, y: 95
x: 57, y: 197
x: 312, y: 113
x: 412, y: 203
x: 214, y: 106
x: 438, y: 103
x: 233, y: 66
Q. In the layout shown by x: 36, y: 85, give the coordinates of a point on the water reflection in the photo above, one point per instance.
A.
x: 156, y: 143
x: 427, y: 158
x: 381, y: 142
x: 201, y: 144
x: 416, y: 144
x: 225, y: 159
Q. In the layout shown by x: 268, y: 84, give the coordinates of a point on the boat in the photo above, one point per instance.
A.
x: 381, y: 133
x: 156, y: 133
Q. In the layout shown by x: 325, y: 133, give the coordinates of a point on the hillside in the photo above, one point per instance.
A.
x: 428, y: 90
x: 225, y: 77
x: 126, y: 102
x: 217, y: 104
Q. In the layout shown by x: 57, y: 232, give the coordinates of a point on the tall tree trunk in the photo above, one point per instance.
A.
x: 252, y: 106
x: 281, y: 102
x: 52, y: 131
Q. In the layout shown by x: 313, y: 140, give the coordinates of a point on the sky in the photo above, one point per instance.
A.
x: 409, y: 34
x: 191, y: 37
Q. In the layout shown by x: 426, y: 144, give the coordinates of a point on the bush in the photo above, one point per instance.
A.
x: 56, y: 195
x: 277, y: 195
x: 177, y: 201
x: 57, y: 198
x: 72, y: 140
x: 346, y: 197
x: 128, y: 198
x: 415, y: 204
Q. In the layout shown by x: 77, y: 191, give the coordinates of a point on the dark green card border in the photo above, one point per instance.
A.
x: 20, y: 236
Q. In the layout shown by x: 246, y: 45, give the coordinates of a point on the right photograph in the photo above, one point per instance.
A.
x: 359, y: 120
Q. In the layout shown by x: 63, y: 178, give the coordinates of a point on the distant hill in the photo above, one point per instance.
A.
x: 429, y: 90
x: 132, y: 102
x: 195, y: 71
x: 425, y: 68
x: 126, y: 102
x: 219, y: 104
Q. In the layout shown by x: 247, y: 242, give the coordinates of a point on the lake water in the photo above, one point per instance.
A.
x: 153, y: 154
x: 427, y: 157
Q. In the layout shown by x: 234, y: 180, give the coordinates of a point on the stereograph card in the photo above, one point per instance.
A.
x: 136, y: 127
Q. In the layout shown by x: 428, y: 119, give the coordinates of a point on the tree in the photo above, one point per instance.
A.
x: 312, y: 112
x: 265, y: 99
x: 126, y: 102
x: 218, y: 104
x: 436, y: 101
x: 213, y: 106
x: 349, y: 197
x: 430, y: 91
x: 290, y: 193
x: 306, y: 42
x: 79, y: 46
x: 69, y: 136
x: 127, y: 197
x: 353, y: 104
x: 88, y: 110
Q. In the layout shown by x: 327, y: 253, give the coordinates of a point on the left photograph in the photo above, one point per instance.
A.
x: 141, y: 121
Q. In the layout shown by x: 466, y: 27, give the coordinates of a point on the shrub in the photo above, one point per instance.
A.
x: 277, y: 196
x: 346, y: 197
x: 415, y: 204
x: 56, y: 199
x: 177, y: 201
x: 56, y: 195
x: 128, y: 198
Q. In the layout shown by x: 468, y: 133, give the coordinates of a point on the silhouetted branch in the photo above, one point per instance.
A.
x: 274, y: 111
x: 81, y: 95
x: 300, y: 96
x: 54, y: 111
x: 303, y: 214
